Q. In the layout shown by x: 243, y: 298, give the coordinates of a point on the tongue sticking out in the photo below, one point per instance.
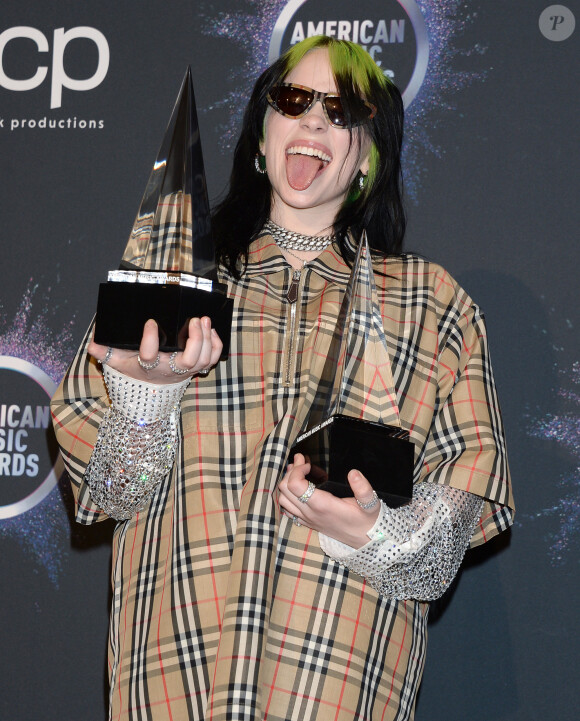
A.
x: 302, y: 169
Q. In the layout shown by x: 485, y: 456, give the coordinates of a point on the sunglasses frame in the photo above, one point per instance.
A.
x: 318, y: 96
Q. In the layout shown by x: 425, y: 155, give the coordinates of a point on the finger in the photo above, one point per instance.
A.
x: 199, y: 349
x: 293, y: 511
x: 204, y: 358
x: 359, y: 484
x: 216, y: 347
x: 361, y: 488
x: 288, y: 503
x: 203, y: 348
x: 95, y: 349
x: 294, y: 478
x: 189, y: 357
x: 149, y: 346
x: 297, y: 481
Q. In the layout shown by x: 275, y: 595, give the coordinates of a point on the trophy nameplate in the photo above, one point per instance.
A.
x: 168, y: 270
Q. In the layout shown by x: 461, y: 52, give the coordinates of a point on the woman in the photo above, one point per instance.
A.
x: 240, y: 592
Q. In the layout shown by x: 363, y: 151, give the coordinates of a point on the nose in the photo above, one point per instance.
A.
x: 315, y: 119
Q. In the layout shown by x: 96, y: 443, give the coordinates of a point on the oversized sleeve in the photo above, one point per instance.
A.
x: 134, y: 449
x: 78, y: 407
x: 465, y: 446
x: 415, y: 550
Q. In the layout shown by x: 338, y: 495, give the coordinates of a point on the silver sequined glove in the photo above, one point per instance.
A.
x: 415, y: 550
x: 136, y: 443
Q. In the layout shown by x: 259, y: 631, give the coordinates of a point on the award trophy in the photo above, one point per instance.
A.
x: 168, y: 269
x: 335, y: 442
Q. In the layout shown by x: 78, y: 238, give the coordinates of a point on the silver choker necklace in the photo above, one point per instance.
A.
x: 290, y: 240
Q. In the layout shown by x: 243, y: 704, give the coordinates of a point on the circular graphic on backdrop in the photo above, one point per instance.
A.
x: 27, y: 472
x: 393, y: 32
x: 557, y: 22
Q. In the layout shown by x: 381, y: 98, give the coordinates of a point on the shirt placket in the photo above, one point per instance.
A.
x: 294, y: 311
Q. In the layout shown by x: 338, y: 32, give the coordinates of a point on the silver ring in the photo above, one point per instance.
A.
x: 107, y: 357
x: 203, y: 371
x: 174, y: 368
x: 295, y: 521
x: 370, y: 504
x: 305, y: 497
x: 148, y: 366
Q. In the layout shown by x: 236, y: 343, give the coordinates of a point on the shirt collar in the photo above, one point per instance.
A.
x: 264, y: 257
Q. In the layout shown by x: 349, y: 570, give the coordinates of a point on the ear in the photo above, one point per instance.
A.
x: 365, y: 163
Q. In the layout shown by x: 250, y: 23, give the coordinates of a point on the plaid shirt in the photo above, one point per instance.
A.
x: 223, y: 609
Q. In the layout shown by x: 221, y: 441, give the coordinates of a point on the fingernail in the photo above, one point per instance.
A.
x: 197, y: 322
x: 206, y: 322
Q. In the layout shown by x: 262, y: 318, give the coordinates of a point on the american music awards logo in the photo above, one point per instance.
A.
x: 392, y: 31
x: 29, y: 468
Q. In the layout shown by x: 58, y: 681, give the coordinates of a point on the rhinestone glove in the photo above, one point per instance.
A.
x: 136, y: 443
x: 415, y: 550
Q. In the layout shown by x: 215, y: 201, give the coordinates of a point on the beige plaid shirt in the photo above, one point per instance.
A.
x: 222, y: 609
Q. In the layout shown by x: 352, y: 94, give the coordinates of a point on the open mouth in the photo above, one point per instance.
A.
x: 304, y: 164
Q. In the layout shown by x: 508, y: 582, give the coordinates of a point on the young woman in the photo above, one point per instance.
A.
x: 240, y: 591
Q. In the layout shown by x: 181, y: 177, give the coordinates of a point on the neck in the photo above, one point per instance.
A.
x: 309, y: 221
x: 297, y: 248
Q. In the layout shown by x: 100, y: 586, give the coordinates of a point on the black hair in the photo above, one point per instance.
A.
x: 378, y: 207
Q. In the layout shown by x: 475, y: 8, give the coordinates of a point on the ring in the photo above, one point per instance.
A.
x: 148, y: 366
x: 295, y: 521
x: 107, y: 357
x: 203, y: 371
x: 305, y: 497
x: 370, y: 504
x: 174, y: 368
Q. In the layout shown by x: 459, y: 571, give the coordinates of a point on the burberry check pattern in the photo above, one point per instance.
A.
x: 224, y: 610
x: 163, y: 240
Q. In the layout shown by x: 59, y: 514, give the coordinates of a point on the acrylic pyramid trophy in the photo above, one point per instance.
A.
x: 357, y: 363
x: 168, y: 268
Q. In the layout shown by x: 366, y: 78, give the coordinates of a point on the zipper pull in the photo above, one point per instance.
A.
x: 292, y: 294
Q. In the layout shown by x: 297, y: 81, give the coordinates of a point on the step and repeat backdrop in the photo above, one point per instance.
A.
x: 491, y: 157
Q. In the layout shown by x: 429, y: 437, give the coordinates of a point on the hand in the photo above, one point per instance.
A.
x: 202, y: 351
x: 339, y: 518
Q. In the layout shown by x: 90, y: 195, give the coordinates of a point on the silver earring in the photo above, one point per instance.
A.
x: 260, y: 163
x: 362, y: 181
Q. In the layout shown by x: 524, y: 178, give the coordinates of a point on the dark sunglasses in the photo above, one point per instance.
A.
x: 294, y: 101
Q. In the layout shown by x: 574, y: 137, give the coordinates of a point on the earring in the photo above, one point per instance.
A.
x: 260, y: 163
x: 362, y: 181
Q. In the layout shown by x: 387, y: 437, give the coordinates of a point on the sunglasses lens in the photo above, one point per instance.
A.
x: 359, y: 112
x: 292, y: 101
x: 335, y: 112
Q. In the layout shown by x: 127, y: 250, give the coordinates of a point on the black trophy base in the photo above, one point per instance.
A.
x: 124, y: 308
x: 383, y: 454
